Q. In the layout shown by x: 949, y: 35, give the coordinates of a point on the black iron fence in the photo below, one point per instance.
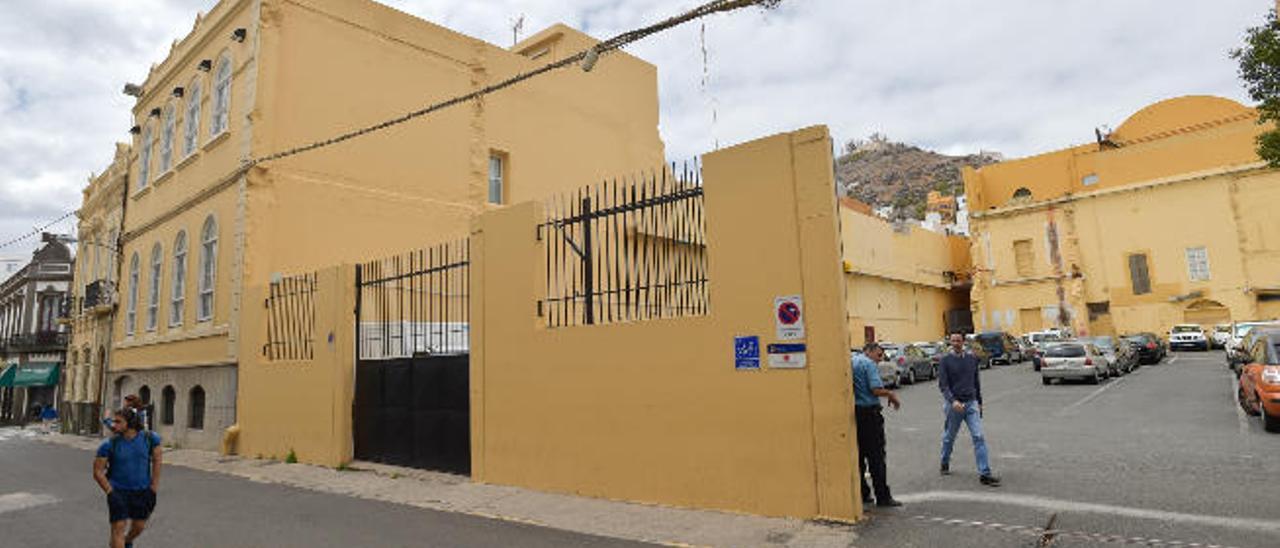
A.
x: 626, y: 250
x: 414, y: 303
x: 291, y: 318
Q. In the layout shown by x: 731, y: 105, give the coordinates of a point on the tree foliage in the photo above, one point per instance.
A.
x: 1259, y: 60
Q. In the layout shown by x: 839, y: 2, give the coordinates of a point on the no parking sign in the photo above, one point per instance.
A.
x: 789, y: 317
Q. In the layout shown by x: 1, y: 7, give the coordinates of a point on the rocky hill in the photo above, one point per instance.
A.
x: 881, y: 172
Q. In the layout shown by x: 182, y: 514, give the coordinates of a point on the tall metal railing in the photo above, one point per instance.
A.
x: 291, y: 318
x: 414, y: 303
x: 626, y: 250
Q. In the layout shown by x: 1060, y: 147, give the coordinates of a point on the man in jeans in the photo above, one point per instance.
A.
x: 867, y: 391
x: 962, y: 397
x: 127, y: 468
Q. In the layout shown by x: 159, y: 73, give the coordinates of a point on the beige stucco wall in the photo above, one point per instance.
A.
x: 302, y: 406
x: 896, y: 279
x: 655, y: 411
x: 1185, y: 175
x: 330, y: 66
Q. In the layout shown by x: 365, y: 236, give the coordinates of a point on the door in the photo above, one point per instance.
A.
x: 414, y: 412
x: 1030, y: 320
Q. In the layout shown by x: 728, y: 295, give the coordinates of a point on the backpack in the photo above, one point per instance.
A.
x: 115, y: 442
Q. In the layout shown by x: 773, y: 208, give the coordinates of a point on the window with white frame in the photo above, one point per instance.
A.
x: 208, y: 267
x: 153, y: 290
x: 131, y: 314
x: 221, y: 97
x: 191, y: 131
x: 144, y: 159
x: 166, y: 137
x: 178, y: 296
x: 496, y: 178
x: 1198, y: 264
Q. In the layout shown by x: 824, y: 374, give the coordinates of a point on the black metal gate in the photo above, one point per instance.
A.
x: 412, y: 396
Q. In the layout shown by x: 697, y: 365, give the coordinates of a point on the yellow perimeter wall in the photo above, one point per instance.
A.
x: 895, y: 279
x: 655, y: 411
x: 302, y: 406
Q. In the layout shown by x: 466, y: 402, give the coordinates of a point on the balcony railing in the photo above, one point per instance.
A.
x: 100, y: 293
x: 43, y: 341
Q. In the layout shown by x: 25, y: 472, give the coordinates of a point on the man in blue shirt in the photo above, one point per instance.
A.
x: 867, y: 391
x: 127, y: 468
x: 962, y: 402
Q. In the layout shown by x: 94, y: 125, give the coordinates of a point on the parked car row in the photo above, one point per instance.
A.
x: 1091, y: 359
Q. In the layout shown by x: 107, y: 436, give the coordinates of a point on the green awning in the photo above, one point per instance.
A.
x: 30, y: 374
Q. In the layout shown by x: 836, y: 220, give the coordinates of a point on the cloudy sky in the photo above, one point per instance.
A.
x: 1014, y: 76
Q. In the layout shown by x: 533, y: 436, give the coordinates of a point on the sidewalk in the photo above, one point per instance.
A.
x: 450, y: 493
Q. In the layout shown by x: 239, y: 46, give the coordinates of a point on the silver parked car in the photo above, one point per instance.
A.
x: 1073, y: 360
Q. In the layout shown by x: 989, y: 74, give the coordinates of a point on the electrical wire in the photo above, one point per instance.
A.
x: 590, y: 54
x: 37, y: 231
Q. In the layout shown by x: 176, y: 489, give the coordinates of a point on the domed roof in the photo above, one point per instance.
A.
x: 1179, y: 113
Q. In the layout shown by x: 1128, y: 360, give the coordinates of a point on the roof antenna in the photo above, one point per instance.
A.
x: 517, y: 25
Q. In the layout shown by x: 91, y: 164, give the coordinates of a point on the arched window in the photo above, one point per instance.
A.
x: 166, y: 137
x: 221, y: 115
x: 178, y: 297
x: 195, y: 418
x: 208, y: 267
x: 144, y: 159
x: 191, y: 132
x: 1023, y: 193
x: 131, y: 313
x: 144, y: 395
x: 153, y: 290
x: 167, y: 397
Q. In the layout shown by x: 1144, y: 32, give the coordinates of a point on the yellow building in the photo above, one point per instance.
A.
x: 93, y: 294
x: 901, y: 280
x: 1168, y: 219
x: 936, y: 202
x: 257, y: 77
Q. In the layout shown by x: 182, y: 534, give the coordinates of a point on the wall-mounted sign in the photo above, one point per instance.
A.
x: 787, y: 356
x: 789, y: 317
x: 746, y: 353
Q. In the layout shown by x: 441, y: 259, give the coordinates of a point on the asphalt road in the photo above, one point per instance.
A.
x: 48, y: 499
x: 1163, y: 454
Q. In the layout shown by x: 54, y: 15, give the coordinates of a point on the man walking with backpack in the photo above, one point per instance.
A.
x: 127, y: 468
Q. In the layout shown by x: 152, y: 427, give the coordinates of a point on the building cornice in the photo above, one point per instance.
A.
x: 1009, y: 211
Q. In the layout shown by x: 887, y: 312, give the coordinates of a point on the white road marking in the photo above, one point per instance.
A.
x: 1059, y: 505
x: 1090, y: 397
x: 1173, y: 359
x: 13, y: 502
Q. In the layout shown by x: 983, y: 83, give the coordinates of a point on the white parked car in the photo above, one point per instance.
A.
x: 1221, y: 335
x: 1188, y: 335
x: 1073, y: 360
x: 1238, y: 332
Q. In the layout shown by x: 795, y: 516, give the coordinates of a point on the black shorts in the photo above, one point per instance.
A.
x: 124, y: 504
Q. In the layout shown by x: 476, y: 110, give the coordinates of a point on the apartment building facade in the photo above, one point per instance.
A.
x: 32, y: 340
x: 255, y: 77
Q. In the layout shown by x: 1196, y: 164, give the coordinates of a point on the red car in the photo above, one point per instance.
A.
x: 1259, y: 392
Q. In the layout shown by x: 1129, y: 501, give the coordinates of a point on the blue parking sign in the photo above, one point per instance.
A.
x: 746, y: 352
